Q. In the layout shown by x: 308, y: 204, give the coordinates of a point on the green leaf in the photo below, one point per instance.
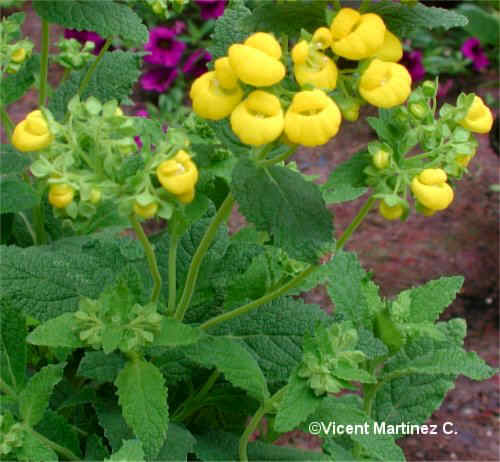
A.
x: 113, y: 78
x: 56, y: 428
x: 100, y: 367
x: 12, y: 161
x: 111, y: 420
x: 13, y: 351
x: 143, y: 398
x: 298, y: 403
x: 291, y: 209
x: 33, y: 449
x: 370, y: 345
x: 229, y: 28
x: 34, y: 399
x: 234, y: 361
x: 179, y: 443
x: 175, y: 333
x: 106, y: 18
x: 16, y: 195
x: 427, y: 302
x: 57, y: 332
x: 483, y: 25
x: 288, y: 17
x: 346, y: 182
x: 131, y: 451
x: 95, y: 448
x: 401, y: 19
x: 274, y: 333
x: 15, y: 86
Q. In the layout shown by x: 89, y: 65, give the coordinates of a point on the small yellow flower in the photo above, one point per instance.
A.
x: 19, y: 55
x: 463, y: 160
x: 381, y: 159
x: 146, y: 211
x: 258, y: 119
x: 390, y: 213
x: 95, y: 196
x: 32, y: 133
x: 211, y: 100
x: 300, y: 52
x: 385, y: 84
x: 431, y: 189
x: 257, y: 61
x: 479, y: 118
x: 391, y: 50
x: 312, y: 118
x: 322, y: 38
x: 319, y: 71
x: 356, y: 36
x: 61, y: 195
x: 225, y: 74
x: 179, y: 176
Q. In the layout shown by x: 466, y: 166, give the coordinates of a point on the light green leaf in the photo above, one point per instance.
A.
x: 100, y: 367
x: 107, y: 18
x: 57, y: 332
x: 34, y: 399
x: 175, y: 333
x: 33, y: 449
x: 290, y: 208
x: 234, y: 361
x: 180, y: 442
x: 12, y: 161
x: 143, y: 398
x: 131, y: 451
x: 15, y: 86
x: 16, y: 195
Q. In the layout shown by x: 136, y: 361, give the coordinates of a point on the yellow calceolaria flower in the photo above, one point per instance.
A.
x: 479, y: 118
x: 391, y: 50
x: 312, y: 118
x: 258, y: 119
x: 300, y: 52
x: 319, y: 70
x: 19, y: 55
x: 390, y: 213
x: 257, y: 61
x: 322, y: 38
x: 356, y: 36
x: 146, y: 211
x: 225, y: 74
x: 211, y: 100
x: 385, y: 84
x: 179, y: 176
x: 431, y: 189
x: 32, y: 133
x: 61, y: 195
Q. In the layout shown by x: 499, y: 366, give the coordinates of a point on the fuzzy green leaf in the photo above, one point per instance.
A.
x: 179, y: 443
x: 16, y: 195
x: 131, y: 451
x: 175, y: 333
x: 282, y: 202
x: 34, y: 399
x: 143, y: 398
x: 234, y: 361
x: 107, y: 18
x: 100, y: 367
x: 57, y: 332
x: 33, y: 449
x: 12, y: 161
x: 56, y: 428
x: 112, y: 422
x: 95, y: 448
x: 15, y: 86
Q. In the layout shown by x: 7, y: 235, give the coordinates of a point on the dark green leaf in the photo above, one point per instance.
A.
x: 483, y: 25
x: 15, y: 86
x: 100, y: 367
x: 11, y: 160
x: 56, y: 428
x: 16, y: 195
x: 179, y: 443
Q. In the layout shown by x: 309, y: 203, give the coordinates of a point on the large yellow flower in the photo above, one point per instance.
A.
x: 312, y: 118
x: 179, y: 176
x: 319, y: 70
x: 391, y: 49
x: 32, y: 133
x: 385, y: 84
x: 479, y: 118
x: 431, y: 189
x: 258, y: 119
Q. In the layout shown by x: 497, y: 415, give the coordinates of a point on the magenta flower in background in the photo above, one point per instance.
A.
x: 444, y: 88
x: 142, y: 113
x: 86, y: 36
x: 413, y: 62
x: 165, y: 49
x: 196, y: 64
x: 472, y: 49
x: 211, y: 9
x: 158, y: 79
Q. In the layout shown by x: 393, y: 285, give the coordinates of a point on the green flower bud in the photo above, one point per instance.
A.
x: 418, y: 110
x: 429, y: 88
x: 381, y: 159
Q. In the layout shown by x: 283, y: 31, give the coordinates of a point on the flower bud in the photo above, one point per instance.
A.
x: 147, y: 211
x: 381, y: 159
x: 19, y: 55
x: 390, y: 213
x: 95, y: 196
x: 61, y: 195
x: 418, y: 110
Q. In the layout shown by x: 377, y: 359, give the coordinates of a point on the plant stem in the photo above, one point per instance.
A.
x: 65, y: 452
x: 275, y: 160
x: 254, y: 422
x: 44, y: 64
x: 39, y: 223
x: 355, y: 223
x: 172, y: 268
x: 28, y: 227
x: 7, y: 123
x: 194, y: 267
x: 93, y: 66
x: 260, y: 301
x: 150, y: 255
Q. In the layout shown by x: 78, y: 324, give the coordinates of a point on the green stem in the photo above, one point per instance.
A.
x: 260, y: 301
x: 28, y: 227
x: 254, y: 422
x: 7, y: 123
x: 275, y: 160
x: 39, y: 223
x: 172, y: 267
x: 44, y: 63
x: 194, y: 267
x: 93, y: 66
x: 65, y: 75
x: 150, y: 255
x: 65, y: 452
x: 355, y: 223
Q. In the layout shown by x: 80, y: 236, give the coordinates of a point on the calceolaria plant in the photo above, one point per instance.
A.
x: 177, y: 344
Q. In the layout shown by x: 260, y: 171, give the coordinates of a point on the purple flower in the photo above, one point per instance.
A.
x: 165, y: 49
x: 413, y: 62
x: 86, y: 36
x: 158, y: 79
x: 444, y: 88
x: 472, y: 49
x: 196, y: 64
x: 142, y: 113
x: 211, y: 9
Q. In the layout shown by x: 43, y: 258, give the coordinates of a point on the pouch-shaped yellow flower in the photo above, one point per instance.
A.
x: 61, y: 195
x: 258, y: 119
x: 32, y: 133
x: 257, y: 61
x: 391, y: 50
x: 321, y: 72
x: 479, y: 118
x: 312, y: 118
x: 390, y: 213
x: 431, y: 189
x: 179, y: 176
x: 211, y: 100
x: 146, y: 211
x: 385, y: 84
x: 225, y: 74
